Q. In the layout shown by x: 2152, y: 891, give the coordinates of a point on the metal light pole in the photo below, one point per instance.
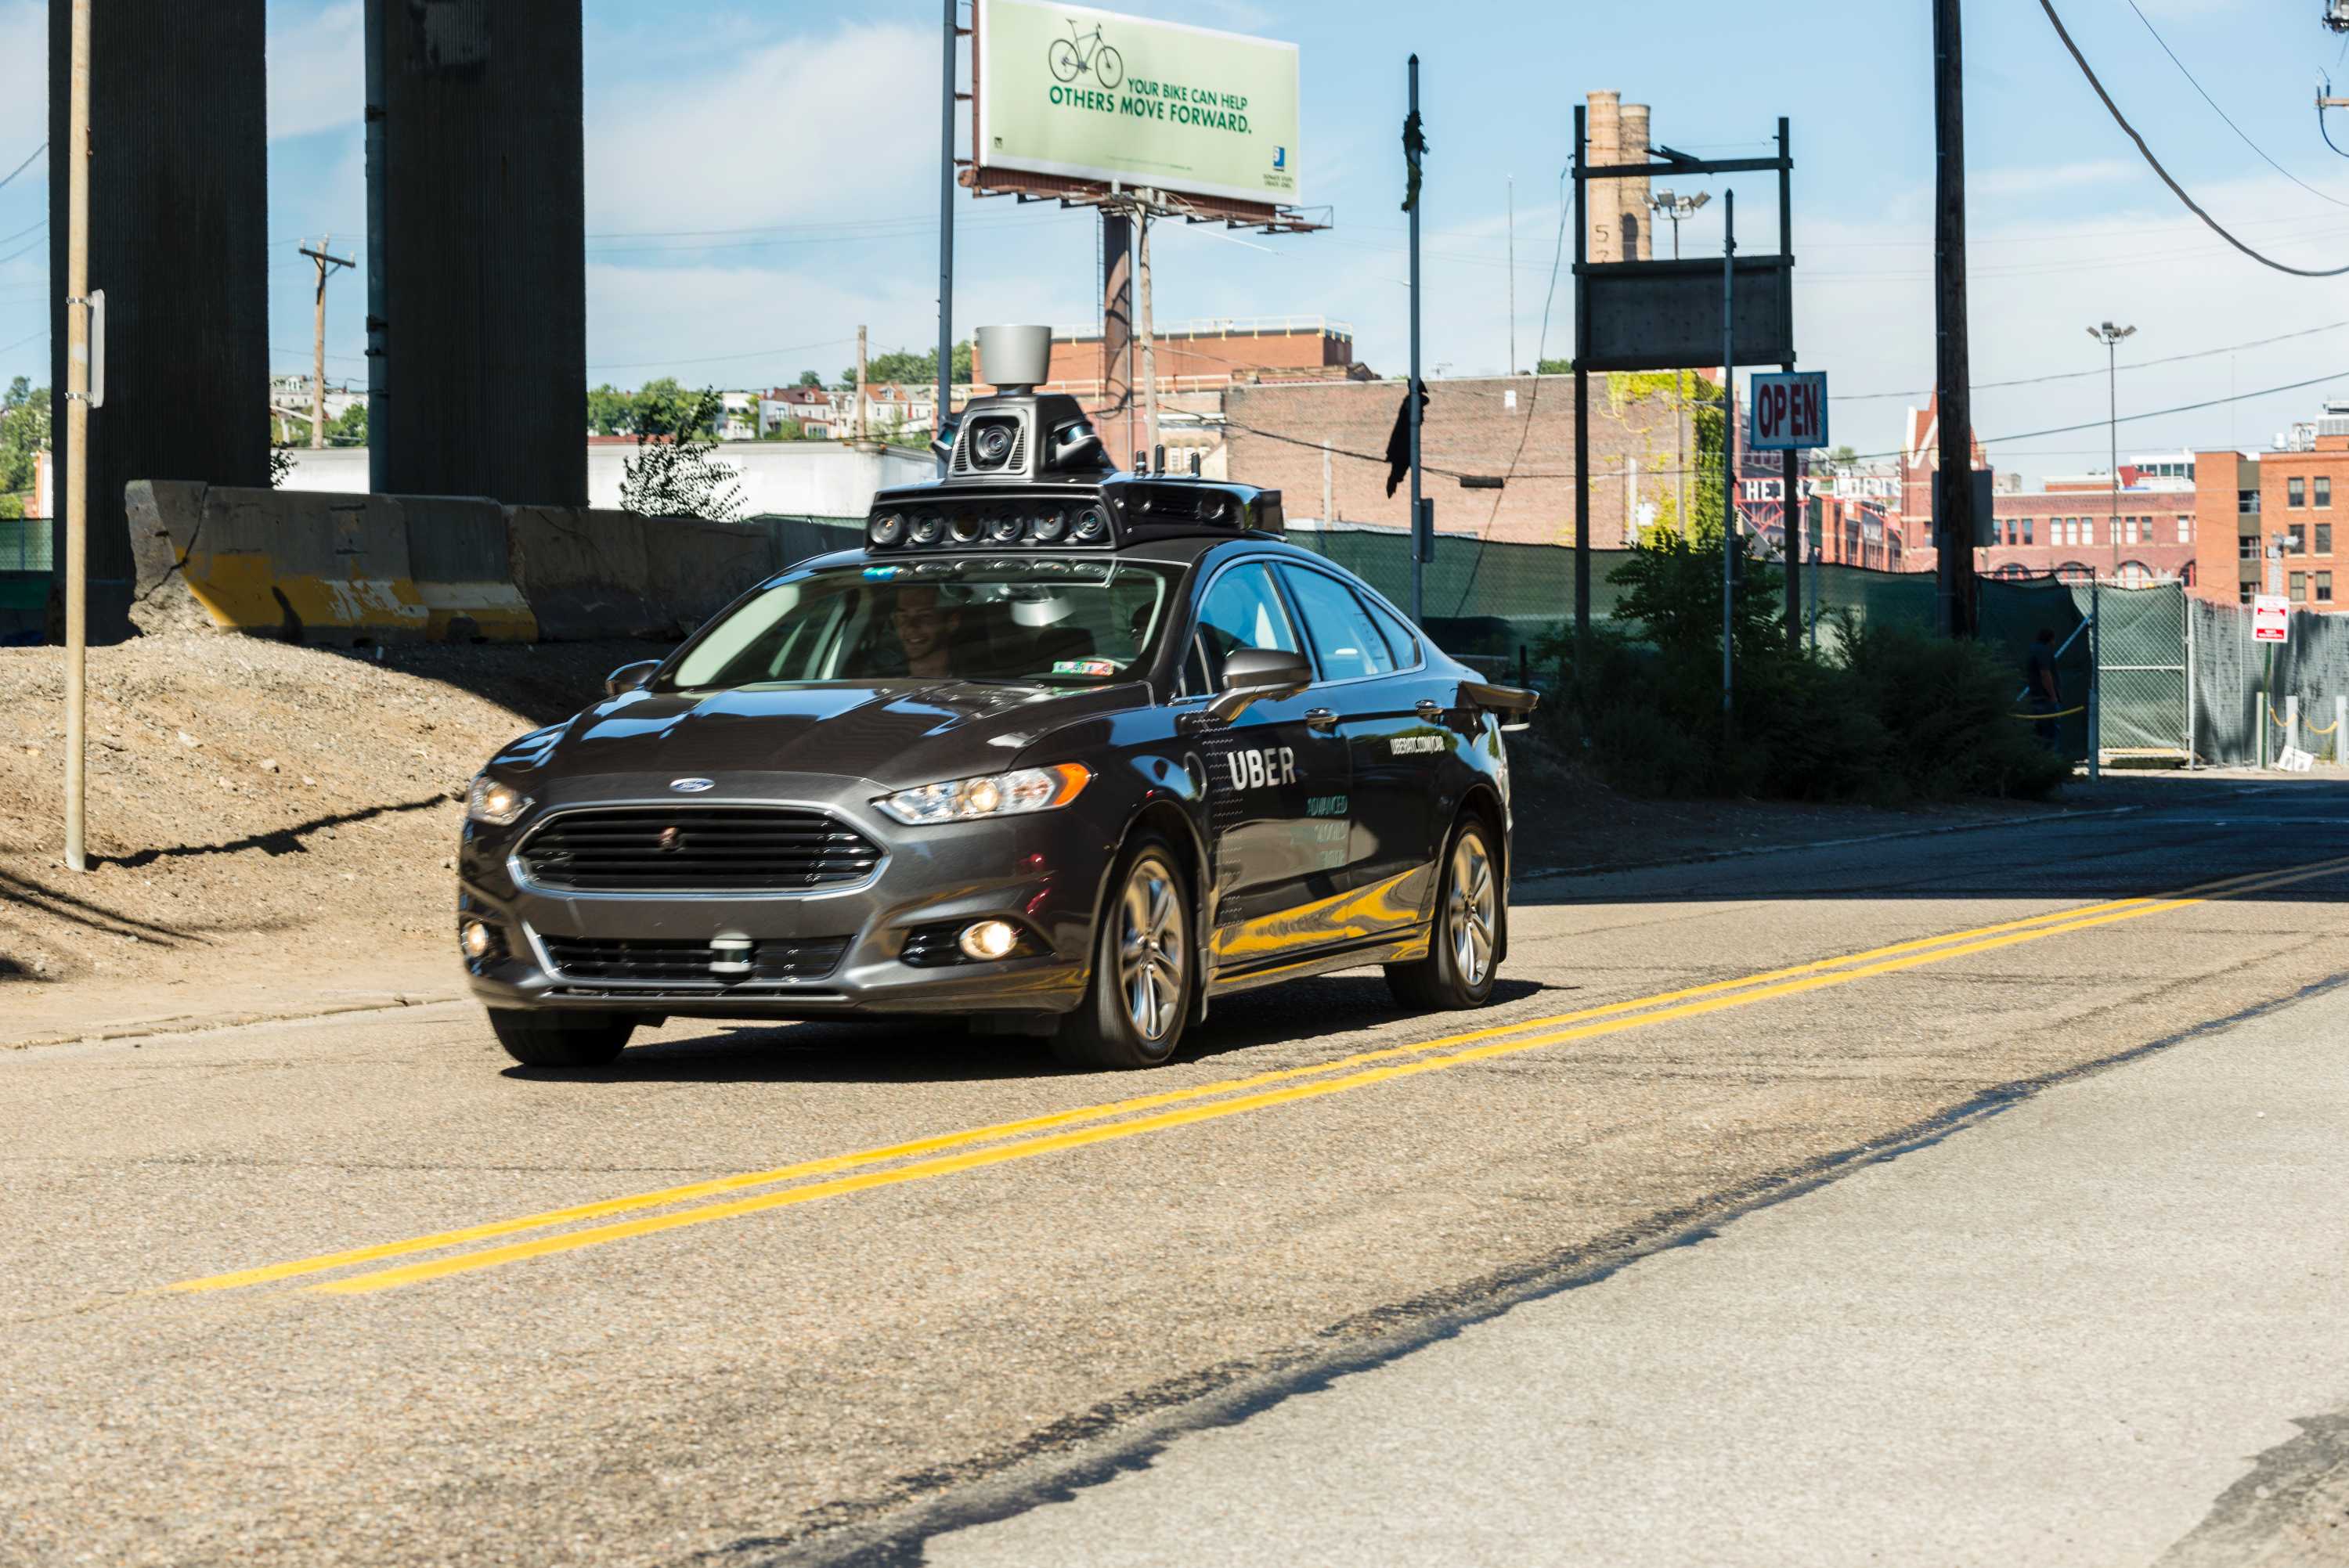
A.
x: 1665, y: 204
x: 1411, y: 395
x: 2110, y: 336
x: 946, y: 227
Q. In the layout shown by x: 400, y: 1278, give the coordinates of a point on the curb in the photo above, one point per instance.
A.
x: 194, y: 1024
x: 1548, y: 873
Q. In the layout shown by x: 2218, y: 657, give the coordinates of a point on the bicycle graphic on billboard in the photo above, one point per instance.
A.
x: 1079, y: 53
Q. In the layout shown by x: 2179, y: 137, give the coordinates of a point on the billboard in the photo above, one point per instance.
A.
x: 1092, y: 95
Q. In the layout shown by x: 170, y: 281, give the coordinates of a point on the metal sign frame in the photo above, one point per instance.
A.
x: 1762, y: 391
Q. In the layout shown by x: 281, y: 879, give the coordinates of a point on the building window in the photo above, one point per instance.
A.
x: 2243, y: 595
x: 2323, y: 539
x: 2247, y: 502
x: 2324, y: 587
x: 2026, y: 530
x: 2299, y: 587
x: 2295, y: 540
x: 2246, y: 547
x: 2295, y: 492
x: 2324, y: 490
x: 2185, y: 531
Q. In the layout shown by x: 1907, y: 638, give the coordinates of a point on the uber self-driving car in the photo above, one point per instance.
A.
x: 1063, y: 750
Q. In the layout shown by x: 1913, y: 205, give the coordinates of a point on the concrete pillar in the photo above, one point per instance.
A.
x: 477, y: 205
x: 179, y: 213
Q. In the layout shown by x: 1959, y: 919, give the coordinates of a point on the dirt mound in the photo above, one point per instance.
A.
x: 258, y: 813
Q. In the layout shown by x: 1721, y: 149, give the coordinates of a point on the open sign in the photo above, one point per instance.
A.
x: 1788, y: 412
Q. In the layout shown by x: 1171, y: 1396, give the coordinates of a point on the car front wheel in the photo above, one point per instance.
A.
x: 1134, y: 1011
x: 561, y: 1041
x: 1463, y: 948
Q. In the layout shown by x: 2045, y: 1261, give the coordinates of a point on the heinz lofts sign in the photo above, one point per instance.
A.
x: 1093, y: 95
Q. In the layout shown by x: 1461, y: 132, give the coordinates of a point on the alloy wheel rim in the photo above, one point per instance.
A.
x: 1151, y: 955
x: 1473, y: 898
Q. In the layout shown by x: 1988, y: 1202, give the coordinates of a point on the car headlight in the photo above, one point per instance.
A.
x: 495, y: 801
x: 1012, y: 794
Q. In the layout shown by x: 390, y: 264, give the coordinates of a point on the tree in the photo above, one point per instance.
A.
x: 1554, y: 368
x: 809, y: 378
x: 676, y: 471
x: 610, y: 412
x: 904, y: 366
x: 24, y: 430
x: 348, y: 428
x: 786, y: 429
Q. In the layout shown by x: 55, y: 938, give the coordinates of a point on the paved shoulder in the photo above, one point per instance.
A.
x: 2100, y: 1327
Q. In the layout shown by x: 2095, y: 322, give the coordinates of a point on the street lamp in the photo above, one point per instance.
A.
x: 1664, y: 204
x: 2110, y: 336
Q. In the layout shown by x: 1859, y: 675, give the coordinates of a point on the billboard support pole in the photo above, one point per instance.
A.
x: 1411, y: 393
x: 946, y: 229
x: 1145, y: 327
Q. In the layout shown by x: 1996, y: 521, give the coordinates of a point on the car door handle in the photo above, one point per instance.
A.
x: 1321, y: 718
x: 1428, y: 707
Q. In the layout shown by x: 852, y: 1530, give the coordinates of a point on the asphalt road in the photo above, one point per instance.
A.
x: 351, y: 1291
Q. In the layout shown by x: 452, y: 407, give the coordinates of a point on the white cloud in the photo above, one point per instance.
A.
x: 797, y: 130
x: 317, y: 71
x: 2010, y: 183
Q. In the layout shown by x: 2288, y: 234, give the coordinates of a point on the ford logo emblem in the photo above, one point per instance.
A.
x: 693, y: 786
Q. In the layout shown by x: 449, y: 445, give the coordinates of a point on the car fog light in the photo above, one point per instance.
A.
x: 989, y: 939
x: 476, y: 938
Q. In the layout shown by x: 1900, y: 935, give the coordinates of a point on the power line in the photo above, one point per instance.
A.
x: 27, y: 164
x: 2155, y: 163
x: 2222, y: 114
x: 2076, y: 375
x: 20, y: 343
x: 20, y: 233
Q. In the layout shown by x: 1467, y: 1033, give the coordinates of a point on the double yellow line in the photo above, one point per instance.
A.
x: 973, y: 1148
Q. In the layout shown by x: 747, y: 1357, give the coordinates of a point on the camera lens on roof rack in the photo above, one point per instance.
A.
x: 967, y: 527
x: 994, y: 443
x: 887, y: 529
x: 1050, y: 524
x: 928, y: 527
x: 1004, y: 527
x: 1091, y: 524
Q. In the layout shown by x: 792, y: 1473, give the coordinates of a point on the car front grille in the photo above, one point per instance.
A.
x: 688, y: 963
x: 696, y: 850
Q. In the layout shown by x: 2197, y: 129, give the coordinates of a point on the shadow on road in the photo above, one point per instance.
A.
x: 896, y: 1051
x: 277, y: 841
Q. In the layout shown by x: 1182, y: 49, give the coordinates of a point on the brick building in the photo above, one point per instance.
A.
x: 1273, y: 434
x: 1208, y: 355
x: 2292, y: 498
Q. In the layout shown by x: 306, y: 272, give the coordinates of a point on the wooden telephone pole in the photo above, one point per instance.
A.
x: 326, y: 265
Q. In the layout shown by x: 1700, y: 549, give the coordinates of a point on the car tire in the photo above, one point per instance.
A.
x: 561, y: 1041
x: 1464, y: 948
x: 1139, y: 998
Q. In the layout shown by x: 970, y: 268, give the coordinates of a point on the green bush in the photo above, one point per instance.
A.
x: 1893, y: 719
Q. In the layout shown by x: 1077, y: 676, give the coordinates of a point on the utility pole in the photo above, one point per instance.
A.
x: 860, y: 385
x: 1728, y: 460
x: 1953, y: 488
x: 77, y: 151
x: 2110, y: 336
x: 1411, y: 393
x: 327, y: 264
x: 945, y: 228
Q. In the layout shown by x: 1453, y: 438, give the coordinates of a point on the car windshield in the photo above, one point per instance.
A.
x: 1044, y: 621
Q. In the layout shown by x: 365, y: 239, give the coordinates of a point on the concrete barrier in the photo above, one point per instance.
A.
x: 316, y: 566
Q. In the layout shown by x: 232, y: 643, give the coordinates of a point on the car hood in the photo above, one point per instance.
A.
x: 894, y: 733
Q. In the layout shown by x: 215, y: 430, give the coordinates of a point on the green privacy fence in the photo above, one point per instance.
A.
x: 23, y: 544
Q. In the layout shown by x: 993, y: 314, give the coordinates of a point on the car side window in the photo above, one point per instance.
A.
x: 1345, y: 639
x: 1241, y: 609
x: 1399, y: 636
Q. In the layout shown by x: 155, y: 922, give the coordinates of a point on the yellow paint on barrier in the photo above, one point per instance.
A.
x: 1919, y: 949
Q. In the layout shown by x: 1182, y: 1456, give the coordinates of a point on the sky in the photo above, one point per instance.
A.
x: 809, y: 136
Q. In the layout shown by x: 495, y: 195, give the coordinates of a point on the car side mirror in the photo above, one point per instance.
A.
x: 1256, y: 674
x: 630, y: 677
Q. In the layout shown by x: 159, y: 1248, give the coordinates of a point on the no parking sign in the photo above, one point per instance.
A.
x: 2270, y: 619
